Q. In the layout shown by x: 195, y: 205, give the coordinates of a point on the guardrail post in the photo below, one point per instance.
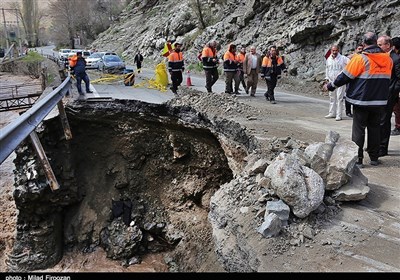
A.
x: 43, y: 75
x: 64, y: 120
x: 63, y: 76
x: 44, y: 161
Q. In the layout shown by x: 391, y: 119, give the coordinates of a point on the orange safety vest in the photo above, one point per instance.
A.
x: 369, y: 75
x: 267, y: 61
x: 230, y: 64
x: 207, y: 57
x: 175, y: 62
x: 240, y: 57
x: 267, y: 68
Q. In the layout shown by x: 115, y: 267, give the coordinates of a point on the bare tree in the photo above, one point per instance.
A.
x: 197, y: 9
x: 83, y: 18
x: 27, y: 19
x: 64, y: 19
x: 30, y: 16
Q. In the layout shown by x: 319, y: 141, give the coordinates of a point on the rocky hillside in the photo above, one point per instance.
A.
x: 303, y: 30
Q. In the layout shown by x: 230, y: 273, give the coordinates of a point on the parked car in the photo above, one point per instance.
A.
x: 85, y: 54
x: 111, y: 63
x: 106, y: 53
x: 93, y: 60
x: 63, y: 54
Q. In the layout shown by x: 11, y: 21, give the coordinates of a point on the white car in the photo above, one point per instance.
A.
x: 93, y: 60
x: 63, y: 54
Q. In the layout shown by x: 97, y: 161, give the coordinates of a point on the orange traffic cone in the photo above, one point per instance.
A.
x: 188, y: 80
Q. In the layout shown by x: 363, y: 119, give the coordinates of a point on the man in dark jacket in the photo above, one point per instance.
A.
x: 368, y: 75
x: 386, y: 44
x: 138, y: 60
x: 176, y: 66
x: 271, y: 70
x: 210, y: 64
x: 80, y: 74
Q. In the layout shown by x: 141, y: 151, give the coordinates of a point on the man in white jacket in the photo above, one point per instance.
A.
x: 335, y: 63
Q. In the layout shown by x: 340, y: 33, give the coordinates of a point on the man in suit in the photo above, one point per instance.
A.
x: 251, y: 68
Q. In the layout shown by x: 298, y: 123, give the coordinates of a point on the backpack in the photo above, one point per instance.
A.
x: 129, y: 79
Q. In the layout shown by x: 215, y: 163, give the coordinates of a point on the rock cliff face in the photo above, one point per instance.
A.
x: 302, y: 30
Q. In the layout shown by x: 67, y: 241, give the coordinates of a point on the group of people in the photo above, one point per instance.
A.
x: 367, y: 80
x: 370, y: 82
x: 239, y: 68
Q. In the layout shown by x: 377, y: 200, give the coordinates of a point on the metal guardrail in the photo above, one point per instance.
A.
x: 16, y: 132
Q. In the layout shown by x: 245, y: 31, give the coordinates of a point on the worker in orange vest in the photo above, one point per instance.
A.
x: 240, y: 73
x: 230, y: 69
x: 210, y: 64
x: 271, y: 70
x: 176, y: 67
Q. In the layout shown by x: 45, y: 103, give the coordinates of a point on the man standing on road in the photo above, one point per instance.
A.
x: 79, y: 71
x: 210, y: 64
x: 176, y: 67
x: 138, y: 60
x: 230, y: 69
x: 251, y: 68
x: 368, y: 75
x: 240, y: 58
x: 385, y: 43
x: 271, y: 70
x: 335, y: 63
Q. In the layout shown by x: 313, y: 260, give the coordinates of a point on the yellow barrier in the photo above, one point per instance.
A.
x: 108, y: 78
x: 160, y: 82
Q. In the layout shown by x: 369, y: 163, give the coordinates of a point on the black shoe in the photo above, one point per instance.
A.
x: 395, y: 131
x: 359, y: 163
x: 350, y: 115
x: 273, y: 102
x: 374, y: 162
x: 247, y: 91
x: 89, y: 91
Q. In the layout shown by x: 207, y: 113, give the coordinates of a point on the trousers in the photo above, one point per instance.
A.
x: 336, y: 101
x: 367, y: 117
x: 211, y: 78
x: 79, y: 77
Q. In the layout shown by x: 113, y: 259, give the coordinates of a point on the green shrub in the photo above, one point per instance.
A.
x: 50, y: 78
x: 33, y: 57
x: 195, y: 67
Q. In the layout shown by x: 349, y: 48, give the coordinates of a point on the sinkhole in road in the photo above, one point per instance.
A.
x: 136, y: 178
